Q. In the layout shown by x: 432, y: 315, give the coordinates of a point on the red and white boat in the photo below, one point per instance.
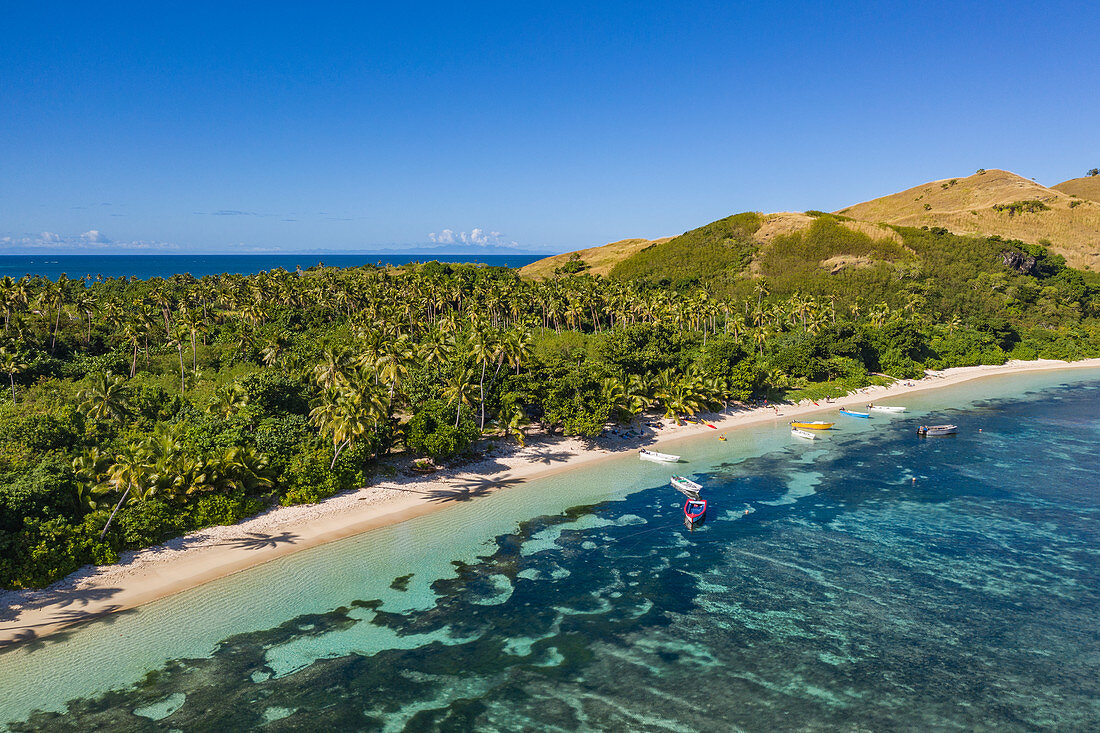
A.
x: 695, y: 510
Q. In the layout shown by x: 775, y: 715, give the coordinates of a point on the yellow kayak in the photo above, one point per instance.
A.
x: 818, y: 425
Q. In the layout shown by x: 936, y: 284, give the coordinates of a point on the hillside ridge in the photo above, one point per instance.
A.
x: 596, y: 260
x: 995, y: 202
x: 1065, y: 218
x: 1087, y: 187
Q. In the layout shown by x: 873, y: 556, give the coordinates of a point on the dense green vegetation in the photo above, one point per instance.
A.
x: 134, y: 411
x: 722, y: 246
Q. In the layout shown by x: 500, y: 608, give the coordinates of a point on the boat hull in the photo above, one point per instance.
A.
x: 812, y: 425
x: 849, y: 413
x: 695, y: 510
x: 804, y: 434
x: 648, y: 455
x: 885, y: 408
x: 686, y: 486
x: 933, y: 431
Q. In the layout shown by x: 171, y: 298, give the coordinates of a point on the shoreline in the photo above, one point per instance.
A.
x: 186, y: 562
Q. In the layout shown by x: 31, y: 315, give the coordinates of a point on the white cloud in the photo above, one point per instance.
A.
x: 92, y: 240
x: 476, y: 236
x: 447, y: 236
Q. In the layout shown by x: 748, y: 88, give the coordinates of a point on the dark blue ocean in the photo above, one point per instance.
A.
x: 147, y: 266
x: 870, y: 581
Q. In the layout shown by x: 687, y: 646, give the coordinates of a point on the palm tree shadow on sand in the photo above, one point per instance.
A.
x: 260, y: 541
x: 28, y: 638
x: 465, y: 490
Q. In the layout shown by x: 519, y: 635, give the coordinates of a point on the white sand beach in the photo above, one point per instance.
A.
x: 216, y: 552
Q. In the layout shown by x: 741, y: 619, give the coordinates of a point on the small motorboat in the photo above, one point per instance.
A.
x: 686, y: 486
x: 815, y: 425
x: 853, y: 413
x: 934, y: 430
x: 885, y: 408
x: 652, y: 455
x: 804, y: 434
x: 695, y: 510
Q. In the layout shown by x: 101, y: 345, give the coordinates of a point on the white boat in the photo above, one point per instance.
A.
x: 651, y: 455
x: 686, y: 486
x: 885, y: 408
x: 800, y: 433
x: 933, y: 430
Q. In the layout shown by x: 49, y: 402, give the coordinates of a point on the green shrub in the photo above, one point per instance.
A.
x: 47, y: 491
x: 59, y: 429
x: 307, y: 478
x: 432, y: 430
x: 147, y: 523
x: 1030, y: 206
x: 47, y: 550
x: 220, y: 509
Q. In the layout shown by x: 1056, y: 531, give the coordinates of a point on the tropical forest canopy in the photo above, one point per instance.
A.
x: 134, y: 411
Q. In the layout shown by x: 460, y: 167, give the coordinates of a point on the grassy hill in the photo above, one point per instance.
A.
x: 1085, y: 188
x: 723, y: 246
x: 1065, y: 219
x: 595, y: 260
x: 996, y: 202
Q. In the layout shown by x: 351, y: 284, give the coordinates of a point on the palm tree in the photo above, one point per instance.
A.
x: 106, y: 398
x: 345, y: 413
x: 177, y: 336
x: 393, y: 364
x: 129, y: 474
x: 517, y: 347
x: 512, y: 421
x: 11, y: 364
x: 485, y: 349
x: 334, y: 364
x: 274, y: 349
x: 190, y: 322
x: 438, y: 347
x: 50, y: 299
x: 13, y: 296
x: 613, y: 390
x: 229, y: 398
x: 132, y: 333
x: 459, y: 390
x: 85, y: 305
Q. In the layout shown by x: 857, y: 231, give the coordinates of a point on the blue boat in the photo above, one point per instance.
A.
x: 852, y: 413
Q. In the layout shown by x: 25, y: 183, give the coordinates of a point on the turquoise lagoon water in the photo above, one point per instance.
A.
x: 848, y: 597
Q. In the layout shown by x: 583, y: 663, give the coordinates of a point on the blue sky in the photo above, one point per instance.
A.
x: 549, y: 126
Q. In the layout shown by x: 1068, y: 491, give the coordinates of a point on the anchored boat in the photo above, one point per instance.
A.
x: 652, y: 455
x: 815, y: 425
x: 805, y: 434
x: 853, y: 413
x: 885, y: 408
x: 686, y: 486
x: 695, y: 510
x: 934, y: 430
